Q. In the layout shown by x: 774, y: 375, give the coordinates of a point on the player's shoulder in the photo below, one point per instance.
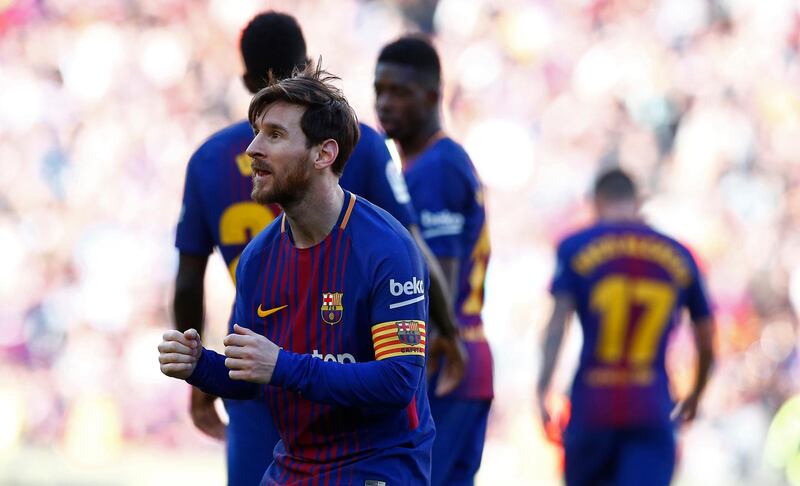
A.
x: 236, y: 132
x: 671, y: 241
x: 573, y: 241
x: 222, y: 141
x: 578, y: 239
x: 370, y: 148
x: 448, y: 151
x: 375, y: 232
x: 369, y: 135
x: 447, y: 147
x: 448, y: 157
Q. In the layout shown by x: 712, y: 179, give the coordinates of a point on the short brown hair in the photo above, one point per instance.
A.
x: 328, y: 115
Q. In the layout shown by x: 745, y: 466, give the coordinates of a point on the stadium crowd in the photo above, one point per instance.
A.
x: 102, y: 103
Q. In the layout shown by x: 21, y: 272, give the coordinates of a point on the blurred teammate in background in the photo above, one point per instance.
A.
x: 448, y: 195
x: 218, y: 212
x: 318, y: 314
x: 628, y: 284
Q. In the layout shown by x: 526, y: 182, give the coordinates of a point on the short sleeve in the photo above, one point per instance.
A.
x: 399, y: 306
x: 565, y: 280
x: 447, y: 202
x: 696, y: 297
x: 193, y: 235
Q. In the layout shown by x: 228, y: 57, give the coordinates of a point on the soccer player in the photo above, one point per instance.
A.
x: 448, y: 195
x: 218, y: 212
x: 628, y: 283
x: 330, y: 307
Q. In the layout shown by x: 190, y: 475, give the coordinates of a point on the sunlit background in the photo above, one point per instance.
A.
x: 102, y: 103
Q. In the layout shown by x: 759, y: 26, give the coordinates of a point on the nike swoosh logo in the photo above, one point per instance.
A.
x: 269, y: 312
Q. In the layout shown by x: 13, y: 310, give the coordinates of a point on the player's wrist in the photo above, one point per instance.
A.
x: 283, y: 367
x: 199, y: 368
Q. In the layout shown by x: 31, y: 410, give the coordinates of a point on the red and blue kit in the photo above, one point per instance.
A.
x: 218, y: 212
x: 348, y: 394
x: 449, y: 199
x: 629, y: 284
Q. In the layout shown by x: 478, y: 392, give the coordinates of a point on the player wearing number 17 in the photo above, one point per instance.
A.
x: 627, y: 283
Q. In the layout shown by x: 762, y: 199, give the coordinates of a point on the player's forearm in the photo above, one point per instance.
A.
x: 554, y: 335
x: 211, y: 376
x: 188, y: 307
x: 705, y: 354
x: 441, y: 304
x: 441, y: 308
x: 704, y: 363
x: 388, y: 383
x: 552, y: 343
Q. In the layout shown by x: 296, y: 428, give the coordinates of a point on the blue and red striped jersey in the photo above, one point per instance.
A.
x: 629, y: 284
x: 449, y: 199
x: 217, y: 209
x: 349, y: 396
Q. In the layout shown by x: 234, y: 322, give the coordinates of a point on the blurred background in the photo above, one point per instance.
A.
x: 102, y: 103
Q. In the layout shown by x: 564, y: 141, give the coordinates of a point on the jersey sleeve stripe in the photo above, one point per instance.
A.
x: 397, y: 345
x: 383, y: 347
x: 391, y: 339
x: 383, y: 325
x: 392, y: 325
x: 391, y: 332
x: 412, y: 351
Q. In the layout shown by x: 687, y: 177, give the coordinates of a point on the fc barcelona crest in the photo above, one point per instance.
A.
x: 332, y: 308
x: 408, y: 332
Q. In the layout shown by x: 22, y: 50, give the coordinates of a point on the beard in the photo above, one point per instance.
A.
x: 286, y: 190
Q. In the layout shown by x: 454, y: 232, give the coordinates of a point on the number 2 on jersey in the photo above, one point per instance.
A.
x: 240, y: 223
x: 613, y: 298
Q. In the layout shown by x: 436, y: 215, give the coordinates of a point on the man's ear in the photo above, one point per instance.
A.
x: 326, y: 154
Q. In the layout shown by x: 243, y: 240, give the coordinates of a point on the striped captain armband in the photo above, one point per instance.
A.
x: 398, y: 338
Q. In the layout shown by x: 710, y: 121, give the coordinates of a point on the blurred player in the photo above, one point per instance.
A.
x: 449, y: 197
x: 628, y: 284
x: 330, y: 305
x: 218, y: 212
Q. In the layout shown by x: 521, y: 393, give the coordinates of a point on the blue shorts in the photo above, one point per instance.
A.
x: 619, y: 457
x: 250, y: 440
x: 460, y: 433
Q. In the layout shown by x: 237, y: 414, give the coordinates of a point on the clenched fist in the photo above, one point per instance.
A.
x: 179, y: 353
x: 250, y: 356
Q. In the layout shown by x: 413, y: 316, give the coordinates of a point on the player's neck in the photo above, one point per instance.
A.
x: 413, y: 146
x: 618, y: 212
x: 621, y: 215
x: 312, y: 218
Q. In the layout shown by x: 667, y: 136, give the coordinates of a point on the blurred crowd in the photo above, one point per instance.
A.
x: 103, y: 102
